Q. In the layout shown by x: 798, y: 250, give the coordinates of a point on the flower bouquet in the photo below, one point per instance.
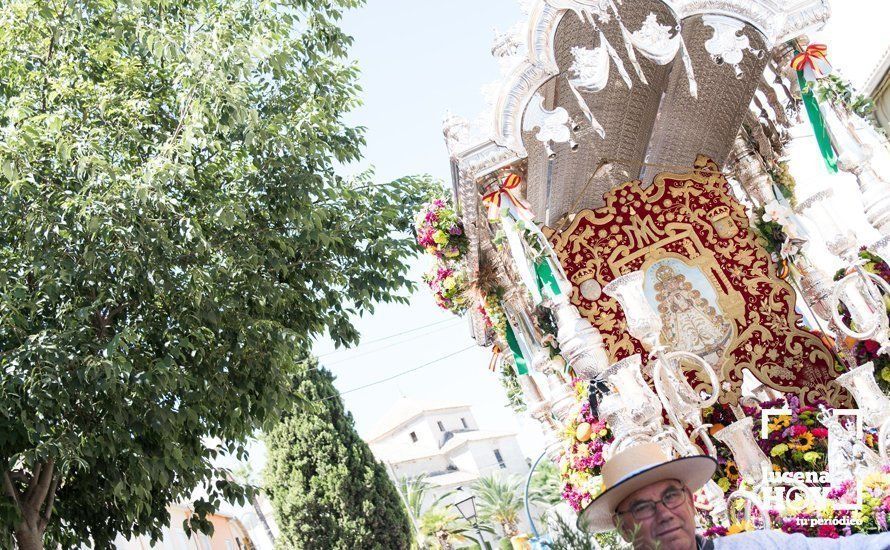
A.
x: 449, y: 286
x: 439, y: 230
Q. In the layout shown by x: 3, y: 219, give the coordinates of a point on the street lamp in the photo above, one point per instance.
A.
x: 467, y: 508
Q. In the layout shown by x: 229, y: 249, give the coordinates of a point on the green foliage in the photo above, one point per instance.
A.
x: 566, y: 537
x: 510, y: 382
x: 327, y: 489
x: 444, y: 528
x: 546, y: 487
x: 770, y: 231
x: 835, y: 89
x: 172, y: 234
x: 499, y: 502
x: 414, y: 491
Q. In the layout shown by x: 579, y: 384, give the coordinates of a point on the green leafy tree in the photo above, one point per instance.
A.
x: 172, y: 234
x: 499, y: 501
x: 326, y: 487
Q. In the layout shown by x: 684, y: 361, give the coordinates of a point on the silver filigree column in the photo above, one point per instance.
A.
x: 580, y: 343
x: 750, y: 172
x: 855, y: 156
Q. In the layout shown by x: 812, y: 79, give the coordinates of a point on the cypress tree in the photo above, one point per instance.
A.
x: 327, y: 489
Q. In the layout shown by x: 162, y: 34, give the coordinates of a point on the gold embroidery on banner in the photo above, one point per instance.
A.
x: 688, y: 225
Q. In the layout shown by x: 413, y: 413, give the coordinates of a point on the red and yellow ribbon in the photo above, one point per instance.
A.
x: 812, y: 62
x: 494, y: 199
x: 495, y: 355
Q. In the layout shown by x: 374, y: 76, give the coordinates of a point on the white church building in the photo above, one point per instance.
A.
x: 444, y: 441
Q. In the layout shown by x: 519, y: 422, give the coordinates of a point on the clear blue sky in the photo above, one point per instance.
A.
x: 419, y: 59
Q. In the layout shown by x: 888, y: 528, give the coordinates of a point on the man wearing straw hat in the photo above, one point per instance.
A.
x: 647, y: 496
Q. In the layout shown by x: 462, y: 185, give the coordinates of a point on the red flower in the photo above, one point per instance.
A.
x: 820, y: 432
x: 798, y: 430
x: 871, y: 346
x: 828, y: 531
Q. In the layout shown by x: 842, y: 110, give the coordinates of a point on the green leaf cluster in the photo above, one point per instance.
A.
x: 172, y: 234
x: 326, y: 487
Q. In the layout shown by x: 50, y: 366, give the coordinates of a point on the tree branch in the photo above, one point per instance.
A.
x: 10, y: 490
x: 51, y: 499
x: 32, y: 483
x: 47, y: 474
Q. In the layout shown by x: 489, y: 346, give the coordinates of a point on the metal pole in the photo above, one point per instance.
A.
x: 528, y: 482
x: 482, y: 542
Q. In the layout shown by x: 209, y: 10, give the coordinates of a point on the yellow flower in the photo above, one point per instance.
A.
x: 732, y: 471
x: 780, y: 423
x: 448, y: 283
x: 723, y: 483
x: 803, y: 442
x: 440, y: 237
x: 736, y: 528
x: 877, y: 479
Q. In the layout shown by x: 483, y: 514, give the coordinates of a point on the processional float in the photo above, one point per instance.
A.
x: 600, y: 263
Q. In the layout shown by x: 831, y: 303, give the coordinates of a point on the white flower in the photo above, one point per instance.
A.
x: 791, y: 247
x: 775, y: 212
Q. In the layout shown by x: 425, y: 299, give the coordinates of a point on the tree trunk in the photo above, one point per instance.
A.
x: 34, y: 504
x: 259, y: 511
x: 27, y: 538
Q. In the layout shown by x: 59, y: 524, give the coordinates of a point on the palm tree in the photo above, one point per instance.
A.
x: 414, y: 491
x: 444, y: 527
x: 499, y: 500
x: 546, y: 487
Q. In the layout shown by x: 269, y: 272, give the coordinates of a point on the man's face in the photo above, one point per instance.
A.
x: 666, y: 528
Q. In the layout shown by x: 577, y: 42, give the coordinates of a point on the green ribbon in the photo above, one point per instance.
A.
x: 546, y: 279
x: 518, y: 357
x: 822, y: 138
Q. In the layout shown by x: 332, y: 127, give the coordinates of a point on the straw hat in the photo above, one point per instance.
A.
x: 638, y: 467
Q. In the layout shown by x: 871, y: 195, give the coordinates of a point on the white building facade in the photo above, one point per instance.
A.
x: 443, y: 441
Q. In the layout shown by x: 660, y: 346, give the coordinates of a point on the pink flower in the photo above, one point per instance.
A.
x: 828, y: 531
x: 820, y: 432
x: 598, y: 459
x: 798, y: 430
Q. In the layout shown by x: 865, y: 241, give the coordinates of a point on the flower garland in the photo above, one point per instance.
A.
x: 449, y: 286
x: 441, y: 234
x: 585, y: 439
x: 510, y: 382
x: 439, y: 230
